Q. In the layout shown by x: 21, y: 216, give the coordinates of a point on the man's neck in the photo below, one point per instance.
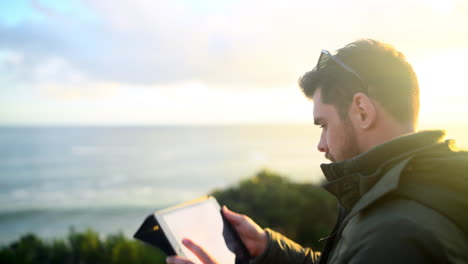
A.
x: 384, y: 132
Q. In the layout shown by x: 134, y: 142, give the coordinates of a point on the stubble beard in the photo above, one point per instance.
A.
x: 350, y: 146
x: 329, y: 157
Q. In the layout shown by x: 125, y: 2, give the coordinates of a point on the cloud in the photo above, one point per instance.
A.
x: 153, y: 61
x: 89, y: 91
x: 220, y: 43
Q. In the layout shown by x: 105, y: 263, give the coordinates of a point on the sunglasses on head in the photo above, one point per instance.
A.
x: 325, y: 57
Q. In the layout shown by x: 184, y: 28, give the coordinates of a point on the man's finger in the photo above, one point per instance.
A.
x: 201, y: 254
x: 233, y: 217
x: 177, y: 260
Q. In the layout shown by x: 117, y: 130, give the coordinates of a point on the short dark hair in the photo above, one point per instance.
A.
x: 390, y: 79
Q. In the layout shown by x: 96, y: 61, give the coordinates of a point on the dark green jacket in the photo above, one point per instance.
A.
x: 405, y: 201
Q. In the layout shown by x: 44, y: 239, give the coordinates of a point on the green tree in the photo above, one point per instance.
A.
x: 80, y: 248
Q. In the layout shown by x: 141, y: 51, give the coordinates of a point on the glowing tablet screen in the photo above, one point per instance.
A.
x: 202, y: 223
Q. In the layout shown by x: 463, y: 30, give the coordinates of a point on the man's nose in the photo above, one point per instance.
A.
x: 322, y: 145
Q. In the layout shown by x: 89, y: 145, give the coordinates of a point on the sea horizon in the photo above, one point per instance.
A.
x: 109, y: 178
x: 54, y: 177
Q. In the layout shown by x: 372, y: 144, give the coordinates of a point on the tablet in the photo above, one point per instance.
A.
x: 201, y: 221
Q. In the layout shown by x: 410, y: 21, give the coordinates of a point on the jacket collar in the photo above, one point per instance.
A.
x: 349, y: 180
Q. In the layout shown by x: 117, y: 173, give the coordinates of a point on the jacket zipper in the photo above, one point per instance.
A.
x: 342, y: 213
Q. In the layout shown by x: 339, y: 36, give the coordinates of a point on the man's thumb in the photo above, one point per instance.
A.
x: 233, y: 217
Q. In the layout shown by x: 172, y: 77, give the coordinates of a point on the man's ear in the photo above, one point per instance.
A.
x: 363, y: 111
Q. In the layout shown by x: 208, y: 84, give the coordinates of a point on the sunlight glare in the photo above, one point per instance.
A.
x: 444, y: 90
x: 442, y: 6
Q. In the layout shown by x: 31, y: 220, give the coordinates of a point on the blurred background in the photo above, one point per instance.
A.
x: 110, y: 110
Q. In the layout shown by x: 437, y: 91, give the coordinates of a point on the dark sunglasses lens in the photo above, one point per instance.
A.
x: 323, y: 59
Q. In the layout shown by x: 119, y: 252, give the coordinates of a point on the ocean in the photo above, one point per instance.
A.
x: 110, y: 178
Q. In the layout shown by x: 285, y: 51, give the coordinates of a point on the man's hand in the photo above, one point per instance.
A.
x: 253, y: 236
x: 201, y: 254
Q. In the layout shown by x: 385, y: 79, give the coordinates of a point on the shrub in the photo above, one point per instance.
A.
x: 303, y: 212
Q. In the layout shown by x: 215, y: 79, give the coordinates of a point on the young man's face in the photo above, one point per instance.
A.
x: 338, y: 138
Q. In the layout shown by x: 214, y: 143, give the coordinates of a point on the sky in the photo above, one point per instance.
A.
x: 150, y: 62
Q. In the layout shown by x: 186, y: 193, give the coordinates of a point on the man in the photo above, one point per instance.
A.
x: 403, y: 196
